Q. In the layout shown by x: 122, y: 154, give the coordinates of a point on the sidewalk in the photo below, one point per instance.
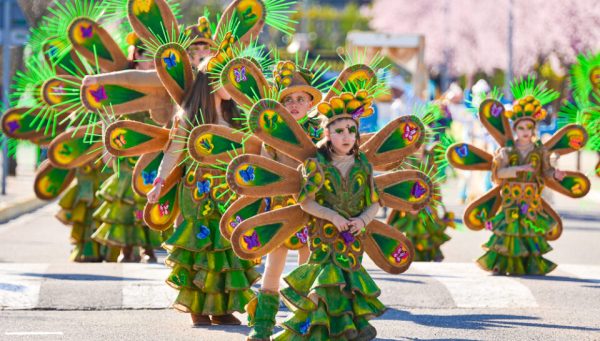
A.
x: 20, y: 198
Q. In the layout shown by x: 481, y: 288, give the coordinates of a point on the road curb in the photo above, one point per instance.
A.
x: 19, y: 207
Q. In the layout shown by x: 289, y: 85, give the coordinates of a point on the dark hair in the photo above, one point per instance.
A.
x: 199, y: 100
x: 327, y: 149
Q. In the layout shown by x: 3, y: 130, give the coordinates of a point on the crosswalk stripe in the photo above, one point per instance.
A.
x: 150, y: 291
x: 19, y: 290
x: 586, y: 272
x: 471, y: 287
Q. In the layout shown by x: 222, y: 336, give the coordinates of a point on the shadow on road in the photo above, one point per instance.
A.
x: 82, y: 277
x: 475, y: 321
x: 561, y: 279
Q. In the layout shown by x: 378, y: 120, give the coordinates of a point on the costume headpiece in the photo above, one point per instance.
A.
x: 529, y: 100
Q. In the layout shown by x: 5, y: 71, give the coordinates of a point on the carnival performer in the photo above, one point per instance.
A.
x: 521, y: 221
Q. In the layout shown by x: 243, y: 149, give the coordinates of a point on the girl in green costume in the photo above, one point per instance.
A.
x: 212, y: 281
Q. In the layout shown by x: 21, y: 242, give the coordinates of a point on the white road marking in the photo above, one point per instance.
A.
x: 589, y: 272
x: 20, y: 285
x: 151, y: 292
x: 471, y: 287
x: 32, y: 333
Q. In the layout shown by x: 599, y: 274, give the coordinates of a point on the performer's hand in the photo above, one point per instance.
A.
x: 154, y: 193
x: 559, y: 175
x: 89, y: 80
x: 356, y: 226
x: 526, y: 168
x: 340, y: 222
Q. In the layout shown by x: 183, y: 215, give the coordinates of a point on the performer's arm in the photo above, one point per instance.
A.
x: 147, y: 78
x: 310, y: 206
x: 501, y: 170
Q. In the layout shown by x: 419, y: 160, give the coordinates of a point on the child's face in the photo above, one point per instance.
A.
x: 298, y: 104
x: 342, y: 134
x: 525, y: 130
x: 198, y: 52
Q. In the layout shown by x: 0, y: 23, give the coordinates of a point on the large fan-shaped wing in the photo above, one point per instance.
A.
x: 74, y: 148
x: 174, y: 68
x: 211, y: 143
x: 50, y: 181
x: 556, y: 231
x: 358, y: 73
x: 96, y: 45
x: 482, y: 209
x: 131, y: 138
x: 273, y: 124
x: 242, y: 209
x: 152, y: 20
x: 388, y: 247
x: 261, y: 234
x: 405, y: 190
x: 54, y: 94
x: 568, y: 139
x: 162, y: 215
x: 491, y: 115
x: 244, y: 81
x: 468, y: 157
x: 258, y: 176
x: 146, y: 171
x: 399, y: 138
x: 574, y: 184
x: 18, y: 123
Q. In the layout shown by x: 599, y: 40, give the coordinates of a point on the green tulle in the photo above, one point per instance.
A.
x: 425, y: 231
x: 346, y: 300
x: 516, y: 247
x: 210, y: 278
x: 262, y: 318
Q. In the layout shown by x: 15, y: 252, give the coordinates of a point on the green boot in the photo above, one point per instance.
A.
x: 261, y: 315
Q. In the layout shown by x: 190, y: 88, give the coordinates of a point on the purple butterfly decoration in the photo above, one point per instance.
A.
x: 417, y: 190
x: 252, y: 240
x: 496, y: 109
x: 139, y: 214
x: 59, y: 90
x: 303, y: 235
x: 524, y: 208
x: 305, y: 326
x: 240, y: 74
x: 399, y: 254
x: 462, y: 150
x: 489, y: 226
x: 86, y: 32
x: 358, y: 112
x: 13, y: 125
x: 237, y: 221
x: 347, y: 237
x: 409, y: 132
x: 163, y: 209
x: 99, y: 95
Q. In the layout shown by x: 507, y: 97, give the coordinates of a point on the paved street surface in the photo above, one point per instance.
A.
x: 44, y: 297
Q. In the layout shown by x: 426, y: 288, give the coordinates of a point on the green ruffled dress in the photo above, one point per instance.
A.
x: 77, y: 207
x: 332, y: 297
x: 519, y: 229
x: 210, y: 278
x: 426, y: 231
x: 121, y: 212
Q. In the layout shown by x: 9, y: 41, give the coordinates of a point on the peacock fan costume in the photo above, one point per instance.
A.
x: 332, y: 296
x: 521, y: 221
x: 211, y: 279
x: 584, y: 109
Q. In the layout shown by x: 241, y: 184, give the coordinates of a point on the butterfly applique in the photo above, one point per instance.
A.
x: 303, y: 235
x: 180, y: 278
x: 267, y: 204
x: 418, y: 190
x: 358, y: 112
x: 305, y: 326
x: 203, y: 186
x: 163, y: 209
x: 13, y: 126
x: 270, y: 121
x: 139, y: 214
x: 248, y: 15
x: 52, y: 50
x: 149, y: 177
x: 235, y: 222
x: 120, y: 141
x: 52, y: 189
x: 99, y: 94
x: 399, y: 254
x: 482, y: 215
x: 86, y: 32
x: 315, y: 132
x: 58, y: 90
x: 247, y: 174
x: 576, y: 142
x: 576, y: 189
x: 206, y: 145
x: 347, y: 237
x: 496, y: 109
x: 204, y: 232
x: 524, y: 208
x: 462, y: 150
x: 143, y: 6
x: 252, y: 240
x: 240, y: 74
x: 170, y: 61
x: 65, y: 150
x: 409, y: 132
